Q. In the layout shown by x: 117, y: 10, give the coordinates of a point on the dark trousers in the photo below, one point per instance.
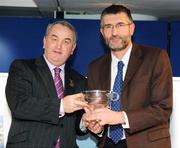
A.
x: 110, y: 144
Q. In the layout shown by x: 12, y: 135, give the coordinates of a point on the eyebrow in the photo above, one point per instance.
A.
x: 53, y: 35
x: 117, y: 23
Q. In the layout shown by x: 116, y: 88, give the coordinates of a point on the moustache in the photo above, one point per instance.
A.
x: 115, y: 37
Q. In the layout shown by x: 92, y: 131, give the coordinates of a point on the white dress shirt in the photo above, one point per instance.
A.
x: 62, y: 75
x: 114, y: 70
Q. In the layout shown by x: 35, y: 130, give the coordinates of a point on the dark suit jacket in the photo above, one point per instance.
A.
x: 146, y: 96
x: 33, y: 101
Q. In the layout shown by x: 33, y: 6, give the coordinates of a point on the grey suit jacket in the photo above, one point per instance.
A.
x: 34, y: 105
x: 146, y: 96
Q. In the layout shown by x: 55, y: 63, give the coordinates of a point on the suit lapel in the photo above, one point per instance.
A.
x: 46, y: 76
x: 134, y: 63
x: 69, y: 82
x: 105, y: 78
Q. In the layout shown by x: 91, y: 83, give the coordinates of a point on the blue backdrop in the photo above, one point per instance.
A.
x: 22, y: 38
x: 175, y: 47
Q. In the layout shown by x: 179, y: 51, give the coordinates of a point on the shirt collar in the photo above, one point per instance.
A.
x: 125, y: 58
x: 51, y: 66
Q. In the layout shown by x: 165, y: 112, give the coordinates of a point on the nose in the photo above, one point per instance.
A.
x: 114, y: 31
x: 59, y: 45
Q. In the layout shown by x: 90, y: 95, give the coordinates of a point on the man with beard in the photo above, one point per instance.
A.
x: 139, y: 119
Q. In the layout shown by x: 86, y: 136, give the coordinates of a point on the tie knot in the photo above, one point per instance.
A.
x: 57, y: 70
x: 120, y: 65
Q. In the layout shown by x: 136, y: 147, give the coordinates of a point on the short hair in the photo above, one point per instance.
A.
x: 63, y: 23
x: 114, y: 9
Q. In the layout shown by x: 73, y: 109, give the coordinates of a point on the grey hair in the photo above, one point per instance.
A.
x: 63, y: 23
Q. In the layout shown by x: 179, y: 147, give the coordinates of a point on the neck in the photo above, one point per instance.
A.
x: 120, y: 54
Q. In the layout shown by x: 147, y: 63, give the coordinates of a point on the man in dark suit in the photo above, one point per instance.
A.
x: 146, y: 93
x: 40, y: 117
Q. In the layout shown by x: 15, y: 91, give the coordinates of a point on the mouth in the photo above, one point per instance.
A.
x: 115, y: 40
x: 58, y: 52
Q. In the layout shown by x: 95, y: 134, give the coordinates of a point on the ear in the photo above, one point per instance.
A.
x: 73, y: 48
x: 132, y: 28
x: 102, y: 32
x: 44, y: 42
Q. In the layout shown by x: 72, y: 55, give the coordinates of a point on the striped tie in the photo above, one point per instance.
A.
x: 58, y: 83
x: 60, y: 92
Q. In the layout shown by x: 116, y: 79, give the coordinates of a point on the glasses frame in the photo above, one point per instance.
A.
x: 118, y: 26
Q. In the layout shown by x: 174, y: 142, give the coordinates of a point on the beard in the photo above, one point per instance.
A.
x: 121, y: 46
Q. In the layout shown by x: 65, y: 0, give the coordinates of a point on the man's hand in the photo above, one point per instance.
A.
x: 93, y: 126
x: 74, y: 102
x: 106, y: 116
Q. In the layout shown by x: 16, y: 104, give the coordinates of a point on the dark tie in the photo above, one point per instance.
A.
x: 116, y: 131
x: 60, y: 92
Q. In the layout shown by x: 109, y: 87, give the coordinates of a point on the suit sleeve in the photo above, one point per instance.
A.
x: 24, y: 103
x: 79, y: 114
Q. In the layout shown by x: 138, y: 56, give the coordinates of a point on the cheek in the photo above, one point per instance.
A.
x: 106, y: 35
x: 68, y: 49
x: 49, y: 46
x: 67, y: 53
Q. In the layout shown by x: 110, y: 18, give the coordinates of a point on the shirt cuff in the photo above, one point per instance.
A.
x: 126, y: 124
x: 101, y: 133
x: 82, y: 127
x: 61, y: 109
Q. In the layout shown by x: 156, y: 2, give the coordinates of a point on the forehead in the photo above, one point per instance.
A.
x: 61, y: 31
x: 115, y: 18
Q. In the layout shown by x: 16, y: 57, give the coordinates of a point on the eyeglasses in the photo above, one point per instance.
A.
x: 109, y: 27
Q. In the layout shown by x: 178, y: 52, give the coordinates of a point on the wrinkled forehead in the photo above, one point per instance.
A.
x: 62, y: 31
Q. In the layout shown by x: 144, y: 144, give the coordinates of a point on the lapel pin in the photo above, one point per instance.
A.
x: 71, y: 83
